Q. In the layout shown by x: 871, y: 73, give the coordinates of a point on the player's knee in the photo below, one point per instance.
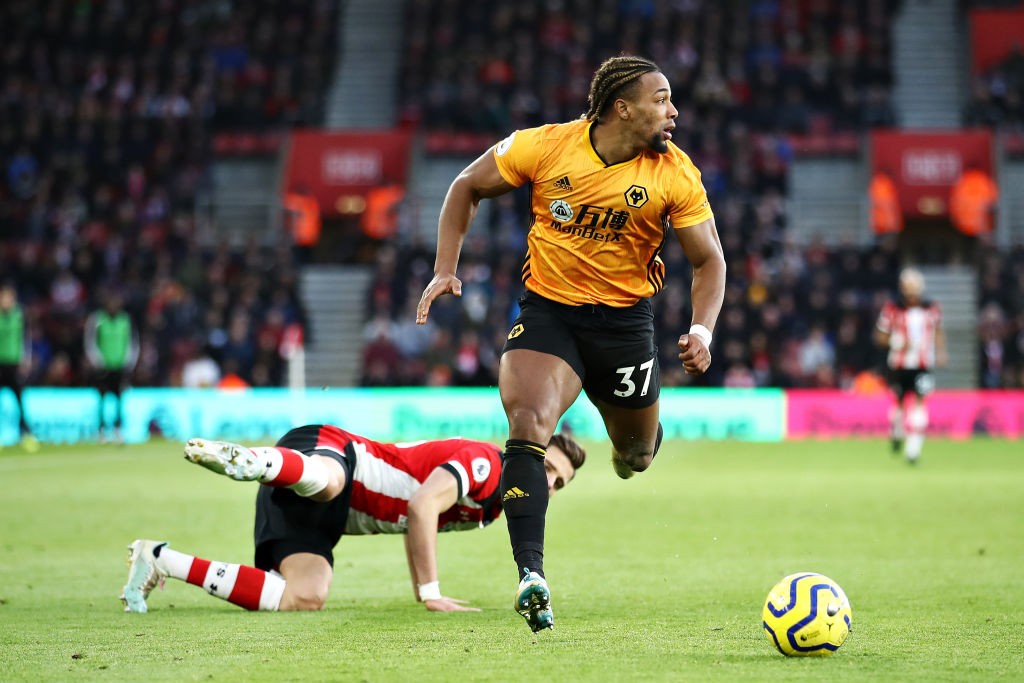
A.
x: 530, y: 423
x: 637, y: 456
x: 330, y: 492
x: 640, y: 463
x: 299, y: 604
x: 334, y: 475
x: 302, y: 599
x: 637, y: 453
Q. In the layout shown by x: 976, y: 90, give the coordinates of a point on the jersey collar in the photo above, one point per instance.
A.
x: 588, y: 143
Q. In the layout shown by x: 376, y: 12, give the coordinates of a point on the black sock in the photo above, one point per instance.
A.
x: 524, y: 486
x: 657, y: 442
x: 22, y: 422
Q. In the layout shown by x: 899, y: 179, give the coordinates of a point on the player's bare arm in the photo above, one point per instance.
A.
x: 480, y: 180
x: 704, y: 251
x: 438, y: 493
x: 882, y: 338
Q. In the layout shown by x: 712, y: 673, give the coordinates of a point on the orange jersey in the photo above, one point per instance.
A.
x: 597, y: 230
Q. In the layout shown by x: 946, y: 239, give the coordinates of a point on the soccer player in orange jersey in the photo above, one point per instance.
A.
x: 607, y: 191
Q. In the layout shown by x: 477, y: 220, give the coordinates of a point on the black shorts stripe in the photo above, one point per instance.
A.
x: 458, y: 480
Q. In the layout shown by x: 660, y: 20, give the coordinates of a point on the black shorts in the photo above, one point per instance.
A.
x: 918, y: 382
x: 110, y: 381
x: 9, y: 376
x: 287, y: 523
x: 611, y: 349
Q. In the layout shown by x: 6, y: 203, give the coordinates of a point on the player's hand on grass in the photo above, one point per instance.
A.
x: 438, y: 285
x: 449, y: 605
x: 696, y: 357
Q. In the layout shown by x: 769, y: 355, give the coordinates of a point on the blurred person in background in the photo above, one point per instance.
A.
x: 200, y: 371
x: 14, y: 359
x: 886, y: 214
x: 302, y: 216
x: 972, y: 202
x: 911, y: 329
x: 111, y: 348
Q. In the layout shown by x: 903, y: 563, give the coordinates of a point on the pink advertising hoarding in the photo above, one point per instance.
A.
x: 812, y: 413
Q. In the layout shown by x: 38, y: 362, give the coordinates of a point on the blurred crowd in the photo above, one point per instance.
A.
x: 778, y: 326
x: 107, y: 111
x: 202, y: 317
x: 745, y: 76
x: 801, y: 316
x: 767, y: 65
x: 997, y: 95
x: 1001, y: 319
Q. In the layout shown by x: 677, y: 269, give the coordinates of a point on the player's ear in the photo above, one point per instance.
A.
x: 621, y: 108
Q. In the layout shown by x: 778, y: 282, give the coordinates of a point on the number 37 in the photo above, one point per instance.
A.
x: 627, y: 383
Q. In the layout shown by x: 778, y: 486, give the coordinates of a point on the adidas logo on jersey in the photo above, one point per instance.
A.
x: 514, y: 492
x: 563, y: 183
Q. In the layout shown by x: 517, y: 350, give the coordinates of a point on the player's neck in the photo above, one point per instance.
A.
x: 612, y: 143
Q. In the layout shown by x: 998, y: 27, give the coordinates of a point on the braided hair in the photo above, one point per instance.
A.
x: 613, y: 79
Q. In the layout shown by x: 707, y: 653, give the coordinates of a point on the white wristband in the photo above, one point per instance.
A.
x: 429, y: 591
x: 702, y: 333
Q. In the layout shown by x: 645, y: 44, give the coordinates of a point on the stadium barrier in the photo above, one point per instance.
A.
x: 955, y: 414
x: 72, y: 415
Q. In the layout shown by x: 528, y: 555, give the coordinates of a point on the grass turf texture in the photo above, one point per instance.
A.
x: 661, y: 577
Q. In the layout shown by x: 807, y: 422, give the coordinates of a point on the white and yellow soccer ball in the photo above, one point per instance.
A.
x: 807, y: 614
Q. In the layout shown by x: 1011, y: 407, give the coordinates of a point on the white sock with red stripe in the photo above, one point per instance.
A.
x: 288, y: 468
x: 917, y: 423
x: 896, y: 422
x: 248, y: 587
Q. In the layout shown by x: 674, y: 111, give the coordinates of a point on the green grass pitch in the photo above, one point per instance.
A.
x: 661, y: 577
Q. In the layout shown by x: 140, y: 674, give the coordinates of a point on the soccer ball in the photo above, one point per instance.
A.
x: 807, y: 614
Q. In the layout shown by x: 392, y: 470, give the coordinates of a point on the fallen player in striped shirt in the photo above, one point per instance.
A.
x: 321, y: 482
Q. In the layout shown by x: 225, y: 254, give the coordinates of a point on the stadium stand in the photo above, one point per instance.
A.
x: 111, y: 115
x: 752, y: 81
x: 756, y: 84
x: 108, y: 117
x: 788, y: 66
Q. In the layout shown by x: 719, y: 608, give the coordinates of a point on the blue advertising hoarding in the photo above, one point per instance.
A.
x: 72, y: 415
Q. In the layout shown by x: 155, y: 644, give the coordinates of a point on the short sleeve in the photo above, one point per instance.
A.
x: 518, y: 154
x: 477, y: 468
x: 884, y: 323
x: 690, y: 205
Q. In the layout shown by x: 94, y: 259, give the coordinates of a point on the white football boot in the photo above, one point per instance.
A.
x: 224, y: 457
x: 143, y: 574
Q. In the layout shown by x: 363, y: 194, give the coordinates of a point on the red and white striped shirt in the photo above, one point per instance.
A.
x: 912, y: 331
x: 386, y: 475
